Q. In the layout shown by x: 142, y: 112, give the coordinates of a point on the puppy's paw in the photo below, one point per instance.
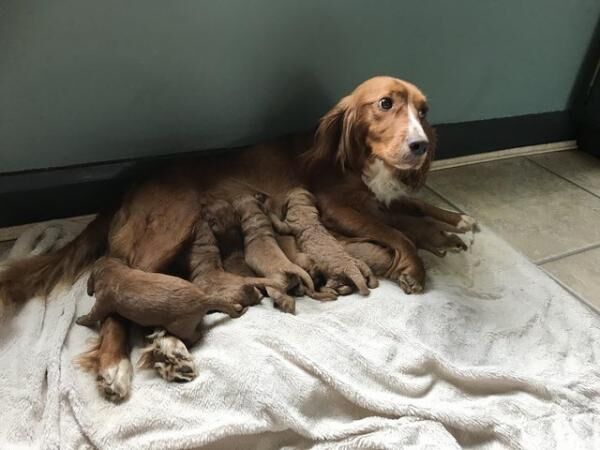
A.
x: 233, y: 310
x: 409, y: 284
x: 114, y: 382
x: 169, y: 357
x: 285, y: 303
x: 466, y: 223
x: 410, y: 276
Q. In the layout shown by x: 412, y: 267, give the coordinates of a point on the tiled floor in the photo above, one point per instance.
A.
x: 547, y: 206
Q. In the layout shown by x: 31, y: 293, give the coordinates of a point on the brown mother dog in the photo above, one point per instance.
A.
x: 368, y: 152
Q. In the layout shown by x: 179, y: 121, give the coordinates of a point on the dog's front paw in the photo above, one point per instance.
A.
x: 169, y: 357
x: 114, y: 382
x: 466, y: 223
x: 409, y: 284
x: 409, y: 275
x: 441, y: 242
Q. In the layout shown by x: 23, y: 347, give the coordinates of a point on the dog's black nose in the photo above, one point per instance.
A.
x: 418, y: 147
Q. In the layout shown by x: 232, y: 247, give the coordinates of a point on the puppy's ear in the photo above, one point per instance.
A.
x: 261, y: 197
x: 334, y: 139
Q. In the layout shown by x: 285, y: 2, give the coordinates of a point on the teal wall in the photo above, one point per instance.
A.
x: 84, y: 81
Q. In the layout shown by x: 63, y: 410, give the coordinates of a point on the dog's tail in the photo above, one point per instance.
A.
x: 23, y: 279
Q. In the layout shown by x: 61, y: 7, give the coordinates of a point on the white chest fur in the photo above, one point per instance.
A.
x: 383, y: 183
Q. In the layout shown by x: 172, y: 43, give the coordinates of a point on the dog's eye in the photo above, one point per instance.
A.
x: 386, y: 103
x: 422, y: 113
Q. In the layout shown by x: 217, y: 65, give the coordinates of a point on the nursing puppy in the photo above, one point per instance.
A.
x: 380, y: 259
x: 178, y: 306
x: 205, y: 269
x: 327, y: 256
x: 225, y: 223
x: 262, y: 253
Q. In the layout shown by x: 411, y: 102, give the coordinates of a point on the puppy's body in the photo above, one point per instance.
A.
x: 379, y: 258
x: 206, y: 270
x: 261, y: 251
x: 301, y: 219
x: 174, y: 304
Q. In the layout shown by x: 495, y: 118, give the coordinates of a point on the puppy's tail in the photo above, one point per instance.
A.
x: 23, y: 279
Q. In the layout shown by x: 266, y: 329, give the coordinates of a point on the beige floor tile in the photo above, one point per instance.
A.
x: 581, y: 273
x: 539, y: 213
x: 578, y: 167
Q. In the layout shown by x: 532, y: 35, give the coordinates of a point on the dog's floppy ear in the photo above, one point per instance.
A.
x: 334, y: 140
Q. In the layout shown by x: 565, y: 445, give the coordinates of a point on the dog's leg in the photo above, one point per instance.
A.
x: 460, y: 223
x: 109, y: 359
x: 147, y: 233
x: 409, y: 271
x: 430, y: 234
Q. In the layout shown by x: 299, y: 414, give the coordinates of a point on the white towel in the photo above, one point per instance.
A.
x: 494, y: 355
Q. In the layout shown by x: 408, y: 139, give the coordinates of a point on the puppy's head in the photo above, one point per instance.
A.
x: 220, y: 216
x: 383, y: 120
x: 299, y: 206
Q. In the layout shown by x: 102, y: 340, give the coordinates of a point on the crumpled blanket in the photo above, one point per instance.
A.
x: 494, y: 355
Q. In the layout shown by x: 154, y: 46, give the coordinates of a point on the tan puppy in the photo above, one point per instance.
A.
x: 205, y: 266
x: 175, y: 304
x: 326, y: 255
x: 262, y: 253
x: 225, y: 223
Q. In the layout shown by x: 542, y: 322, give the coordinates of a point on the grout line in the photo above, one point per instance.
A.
x: 572, y: 291
x: 538, y: 262
x: 577, y: 251
x: 445, y: 199
x: 562, y: 177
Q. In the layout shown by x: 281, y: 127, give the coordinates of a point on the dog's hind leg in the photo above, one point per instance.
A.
x: 109, y: 359
x: 149, y: 230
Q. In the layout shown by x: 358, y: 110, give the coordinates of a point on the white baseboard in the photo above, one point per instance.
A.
x: 504, y: 154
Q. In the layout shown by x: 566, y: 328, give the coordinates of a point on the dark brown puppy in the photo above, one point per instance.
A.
x: 178, y: 306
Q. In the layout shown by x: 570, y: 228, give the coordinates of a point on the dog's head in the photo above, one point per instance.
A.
x: 381, y: 125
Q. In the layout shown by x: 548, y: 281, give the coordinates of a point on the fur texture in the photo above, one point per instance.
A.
x: 174, y: 304
x: 327, y: 256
